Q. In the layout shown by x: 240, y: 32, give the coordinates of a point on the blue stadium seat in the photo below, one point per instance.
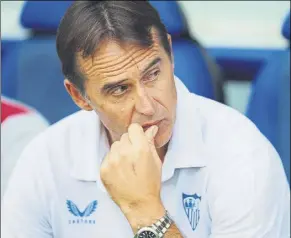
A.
x: 193, y: 66
x: 33, y: 71
x: 286, y: 27
x: 32, y: 74
x: 7, y: 46
x: 269, y: 104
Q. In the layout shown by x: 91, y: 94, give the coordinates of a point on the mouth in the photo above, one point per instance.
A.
x: 147, y: 125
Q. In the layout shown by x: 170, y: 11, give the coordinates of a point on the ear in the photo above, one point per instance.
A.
x: 172, y: 56
x: 77, y: 96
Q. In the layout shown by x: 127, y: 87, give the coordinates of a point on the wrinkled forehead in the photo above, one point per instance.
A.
x: 113, y: 56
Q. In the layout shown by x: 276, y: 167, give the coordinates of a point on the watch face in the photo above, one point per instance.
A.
x: 147, y: 234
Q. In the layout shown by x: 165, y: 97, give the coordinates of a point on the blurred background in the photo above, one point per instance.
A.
x: 234, y: 52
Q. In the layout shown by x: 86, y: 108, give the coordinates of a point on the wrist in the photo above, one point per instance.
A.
x: 144, y: 214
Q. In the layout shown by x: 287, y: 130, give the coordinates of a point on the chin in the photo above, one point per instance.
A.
x: 163, y: 137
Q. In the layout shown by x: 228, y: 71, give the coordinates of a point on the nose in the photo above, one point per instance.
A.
x: 144, y: 103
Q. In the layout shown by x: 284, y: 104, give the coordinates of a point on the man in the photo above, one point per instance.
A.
x: 19, y: 125
x: 145, y: 157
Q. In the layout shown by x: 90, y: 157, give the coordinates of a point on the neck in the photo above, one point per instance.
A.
x: 162, y: 152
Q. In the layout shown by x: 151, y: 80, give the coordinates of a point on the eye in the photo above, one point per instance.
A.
x: 119, y: 90
x: 152, y: 76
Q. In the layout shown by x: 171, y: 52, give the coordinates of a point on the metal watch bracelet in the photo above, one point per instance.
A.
x: 160, y: 227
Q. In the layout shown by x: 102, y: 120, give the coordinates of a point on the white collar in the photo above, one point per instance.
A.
x: 186, y: 148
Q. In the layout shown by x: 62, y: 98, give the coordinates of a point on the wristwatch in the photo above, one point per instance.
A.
x: 156, y: 230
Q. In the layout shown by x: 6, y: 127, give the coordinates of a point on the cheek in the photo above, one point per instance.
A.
x: 164, y: 92
x: 115, y: 117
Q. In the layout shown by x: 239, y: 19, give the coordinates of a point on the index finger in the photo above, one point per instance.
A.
x: 136, y: 135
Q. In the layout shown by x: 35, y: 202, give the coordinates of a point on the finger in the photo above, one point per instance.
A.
x: 151, y: 133
x: 124, y: 139
x: 115, y: 147
x: 115, y: 144
x: 136, y: 135
x: 112, y: 157
x: 125, y: 145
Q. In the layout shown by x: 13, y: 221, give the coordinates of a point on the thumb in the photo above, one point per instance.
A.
x: 151, y: 133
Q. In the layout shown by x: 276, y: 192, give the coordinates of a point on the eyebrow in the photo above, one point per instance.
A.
x: 151, y: 64
x: 114, y: 84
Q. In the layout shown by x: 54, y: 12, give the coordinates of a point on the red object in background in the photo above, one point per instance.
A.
x: 9, y: 108
x: 19, y: 125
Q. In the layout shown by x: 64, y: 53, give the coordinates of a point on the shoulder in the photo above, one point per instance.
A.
x: 61, y: 133
x: 238, y: 153
x: 214, y: 112
x: 231, y: 135
x: 52, y: 151
x: 226, y: 129
x: 246, y: 182
x: 60, y: 141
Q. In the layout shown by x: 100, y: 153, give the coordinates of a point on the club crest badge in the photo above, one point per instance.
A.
x: 191, y: 206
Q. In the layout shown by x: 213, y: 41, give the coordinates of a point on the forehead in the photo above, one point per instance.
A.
x: 113, y: 58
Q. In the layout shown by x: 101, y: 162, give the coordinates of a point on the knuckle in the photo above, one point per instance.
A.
x: 134, y: 126
x: 114, y: 163
x: 124, y: 137
x: 115, y: 145
x: 109, y: 166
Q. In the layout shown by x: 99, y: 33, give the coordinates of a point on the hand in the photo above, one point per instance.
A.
x: 131, y: 173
